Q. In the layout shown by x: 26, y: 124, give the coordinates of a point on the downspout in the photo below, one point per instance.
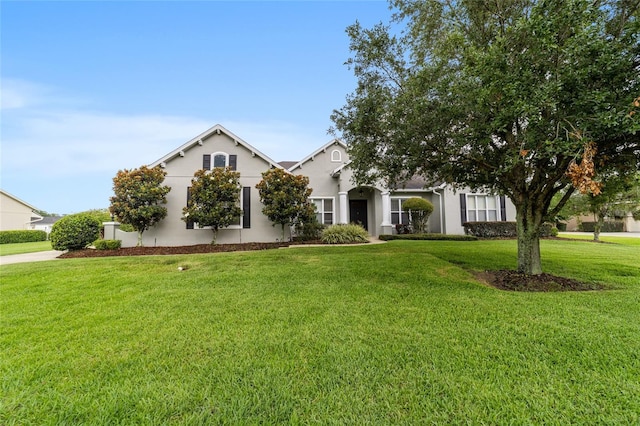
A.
x: 435, y: 191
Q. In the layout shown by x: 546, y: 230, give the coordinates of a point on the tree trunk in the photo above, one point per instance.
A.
x: 139, y: 244
x: 597, y: 226
x: 215, y: 235
x: 528, y: 226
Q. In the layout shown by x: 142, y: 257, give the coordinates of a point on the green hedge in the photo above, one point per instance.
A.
x: 439, y: 237
x: 25, y: 236
x: 107, y: 244
x: 75, y: 232
x: 606, y: 227
x: 503, y: 229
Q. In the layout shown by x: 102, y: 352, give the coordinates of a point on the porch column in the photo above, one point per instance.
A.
x: 342, y: 205
x: 387, y: 226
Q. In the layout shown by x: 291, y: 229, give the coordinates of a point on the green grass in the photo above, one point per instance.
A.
x: 376, y: 334
x: 629, y: 241
x: 20, y: 248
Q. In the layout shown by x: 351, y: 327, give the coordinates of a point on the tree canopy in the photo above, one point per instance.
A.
x: 139, y: 198
x: 507, y: 96
x: 285, y: 197
x: 214, y: 199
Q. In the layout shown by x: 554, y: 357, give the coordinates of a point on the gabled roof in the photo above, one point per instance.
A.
x: 198, y: 140
x: 24, y: 203
x: 318, y: 151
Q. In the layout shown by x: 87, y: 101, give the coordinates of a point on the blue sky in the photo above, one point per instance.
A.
x: 92, y: 87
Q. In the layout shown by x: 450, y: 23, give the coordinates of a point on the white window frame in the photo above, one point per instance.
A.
x: 322, y: 212
x: 219, y: 153
x: 478, y: 211
x: 336, y: 158
x: 400, y: 212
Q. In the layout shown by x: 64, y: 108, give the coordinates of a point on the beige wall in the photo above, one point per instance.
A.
x: 14, y: 215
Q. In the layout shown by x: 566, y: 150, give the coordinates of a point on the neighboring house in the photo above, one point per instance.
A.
x: 336, y: 197
x: 44, y: 223
x: 16, y: 214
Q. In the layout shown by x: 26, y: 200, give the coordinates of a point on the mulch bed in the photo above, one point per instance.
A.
x: 515, y: 281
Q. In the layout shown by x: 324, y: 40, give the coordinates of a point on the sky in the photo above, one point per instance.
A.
x: 92, y: 87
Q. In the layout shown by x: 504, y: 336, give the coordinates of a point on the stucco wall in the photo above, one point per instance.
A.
x: 13, y: 214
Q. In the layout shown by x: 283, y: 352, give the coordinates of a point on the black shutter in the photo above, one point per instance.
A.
x: 190, y: 222
x: 233, y: 162
x: 503, y: 208
x: 246, y: 207
x: 206, y: 161
x: 463, y: 207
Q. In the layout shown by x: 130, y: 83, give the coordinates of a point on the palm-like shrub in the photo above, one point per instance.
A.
x: 345, y: 234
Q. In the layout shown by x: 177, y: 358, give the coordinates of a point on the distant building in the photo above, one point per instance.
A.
x: 16, y: 214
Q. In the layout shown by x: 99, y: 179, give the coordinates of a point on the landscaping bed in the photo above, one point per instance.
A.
x: 515, y: 281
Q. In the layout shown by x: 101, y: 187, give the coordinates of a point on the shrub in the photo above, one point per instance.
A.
x: 440, y: 237
x: 107, y: 244
x: 503, y: 229
x: 609, y: 226
x: 345, y: 234
x: 309, y: 230
x: 419, y: 210
x: 25, y: 236
x: 75, y: 232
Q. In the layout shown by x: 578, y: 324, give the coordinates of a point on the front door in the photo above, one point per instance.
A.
x: 358, y: 213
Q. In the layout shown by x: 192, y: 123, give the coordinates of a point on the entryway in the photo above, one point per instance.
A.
x: 358, y: 213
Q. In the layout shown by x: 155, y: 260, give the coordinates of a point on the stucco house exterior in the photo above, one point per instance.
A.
x: 336, y: 197
x: 16, y: 214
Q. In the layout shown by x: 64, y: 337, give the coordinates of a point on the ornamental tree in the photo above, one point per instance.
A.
x: 139, y: 198
x: 285, y: 198
x: 419, y: 211
x: 214, y: 199
x: 501, y: 96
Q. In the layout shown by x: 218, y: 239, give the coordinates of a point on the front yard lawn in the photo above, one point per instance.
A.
x: 20, y: 248
x: 393, y: 333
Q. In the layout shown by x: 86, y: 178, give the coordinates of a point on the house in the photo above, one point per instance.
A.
x: 44, y: 223
x: 336, y: 197
x: 16, y: 214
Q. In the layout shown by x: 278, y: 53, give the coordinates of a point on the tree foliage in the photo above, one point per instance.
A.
x: 138, y: 199
x: 214, y: 199
x: 285, y: 198
x: 618, y: 196
x: 500, y: 96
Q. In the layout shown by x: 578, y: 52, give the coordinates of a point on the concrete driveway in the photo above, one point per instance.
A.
x: 29, y: 257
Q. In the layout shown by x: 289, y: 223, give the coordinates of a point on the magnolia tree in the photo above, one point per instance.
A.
x: 285, y: 198
x: 214, y: 199
x: 524, y: 98
x: 139, y: 198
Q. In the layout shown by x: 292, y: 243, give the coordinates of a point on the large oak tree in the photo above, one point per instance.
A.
x: 506, y: 96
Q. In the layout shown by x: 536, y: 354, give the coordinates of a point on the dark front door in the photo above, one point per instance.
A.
x: 358, y: 212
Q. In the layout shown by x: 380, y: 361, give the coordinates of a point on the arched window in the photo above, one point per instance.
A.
x: 336, y: 156
x: 220, y: 159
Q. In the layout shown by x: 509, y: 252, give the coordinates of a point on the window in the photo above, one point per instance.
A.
x: 482, y: 208
x: 220, y: 159
x: 336, y: 156
x: 399, y: 217
x: 324, y: 210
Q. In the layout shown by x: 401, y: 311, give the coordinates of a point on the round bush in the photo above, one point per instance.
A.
x: 74, y: 232
x: 345, y: 234
x: 420, y: 210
